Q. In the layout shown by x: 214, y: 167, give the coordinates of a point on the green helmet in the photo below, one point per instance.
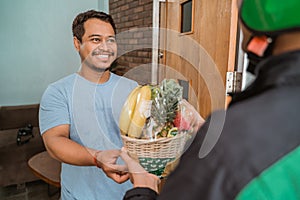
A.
x: 270, y: 16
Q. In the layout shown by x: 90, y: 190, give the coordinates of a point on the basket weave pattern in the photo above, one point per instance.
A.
x: 159, y: 148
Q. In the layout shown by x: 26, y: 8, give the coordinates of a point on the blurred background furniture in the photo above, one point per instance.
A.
x: 14, y: 157
x: 47, y: 169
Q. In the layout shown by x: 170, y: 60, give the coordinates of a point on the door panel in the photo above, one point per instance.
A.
x: 201, y: 57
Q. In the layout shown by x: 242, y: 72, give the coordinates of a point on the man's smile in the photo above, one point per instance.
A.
x: 104, y: 56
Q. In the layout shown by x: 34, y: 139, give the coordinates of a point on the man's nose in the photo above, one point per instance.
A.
x: 103, y: 46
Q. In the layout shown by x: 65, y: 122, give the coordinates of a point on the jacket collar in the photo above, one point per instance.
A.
x: 276, y: 71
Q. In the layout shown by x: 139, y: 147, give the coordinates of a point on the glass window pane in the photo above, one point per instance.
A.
x: 186, y: 16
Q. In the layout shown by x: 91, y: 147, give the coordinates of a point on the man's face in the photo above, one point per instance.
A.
x: 98, y: 48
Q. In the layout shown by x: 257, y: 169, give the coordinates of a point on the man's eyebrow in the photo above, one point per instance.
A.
x: 98, y: 35
x: 95, y: 35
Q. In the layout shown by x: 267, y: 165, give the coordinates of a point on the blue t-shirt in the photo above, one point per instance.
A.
x: 92, y: 111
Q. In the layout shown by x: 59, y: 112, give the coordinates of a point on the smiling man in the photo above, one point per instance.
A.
x: 79, y: 114
x: 97, y: 47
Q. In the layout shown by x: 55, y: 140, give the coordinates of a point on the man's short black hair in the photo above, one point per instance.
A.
x: 78, y: 28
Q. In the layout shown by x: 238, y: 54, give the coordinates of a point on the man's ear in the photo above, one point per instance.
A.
x: 77, y: 43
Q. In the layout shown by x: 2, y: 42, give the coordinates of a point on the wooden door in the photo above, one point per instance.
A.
x: 203, y: 54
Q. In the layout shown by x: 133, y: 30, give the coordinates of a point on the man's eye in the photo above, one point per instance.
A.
x: 95, y: 40
x: 111, y: 40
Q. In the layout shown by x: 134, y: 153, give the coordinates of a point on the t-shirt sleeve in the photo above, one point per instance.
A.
x: 53, y: 109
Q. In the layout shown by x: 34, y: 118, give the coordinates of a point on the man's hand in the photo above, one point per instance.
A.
x: 106, y: 160
x: 138, y: 175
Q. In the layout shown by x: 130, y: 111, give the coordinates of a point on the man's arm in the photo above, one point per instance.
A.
x: 65, y: 150
x: 62, y: 148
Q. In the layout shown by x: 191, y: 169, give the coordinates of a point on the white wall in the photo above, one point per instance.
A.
x: 37, y: 46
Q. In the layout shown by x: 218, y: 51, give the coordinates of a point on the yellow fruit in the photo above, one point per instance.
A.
x: 127, y: 110
x: 172, y: 132
x: 141, y: 111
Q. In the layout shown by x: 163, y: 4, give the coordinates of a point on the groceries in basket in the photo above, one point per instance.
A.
x: 154, y: 124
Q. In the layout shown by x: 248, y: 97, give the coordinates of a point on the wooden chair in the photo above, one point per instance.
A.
x: 47, y: 169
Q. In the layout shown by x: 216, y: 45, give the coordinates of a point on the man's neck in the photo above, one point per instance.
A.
x: 93, y: 76
x: 287, y: 42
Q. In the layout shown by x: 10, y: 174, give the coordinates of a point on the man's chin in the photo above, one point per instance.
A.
x: 100, y: 68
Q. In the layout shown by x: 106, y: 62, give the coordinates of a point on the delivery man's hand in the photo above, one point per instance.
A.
x: 138, y: 175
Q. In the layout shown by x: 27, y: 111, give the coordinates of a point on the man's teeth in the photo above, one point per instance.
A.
x: 103, y: 56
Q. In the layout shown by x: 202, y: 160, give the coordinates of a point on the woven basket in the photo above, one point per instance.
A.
x: 154, y: 155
